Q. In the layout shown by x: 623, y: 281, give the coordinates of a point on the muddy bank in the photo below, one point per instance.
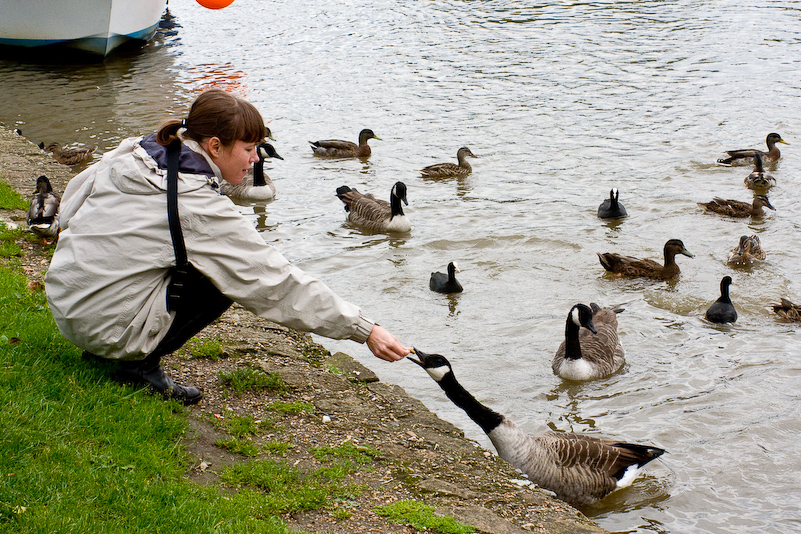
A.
x: 421, y: 457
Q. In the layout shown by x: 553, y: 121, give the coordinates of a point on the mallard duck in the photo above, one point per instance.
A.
x: 43, y: 213
x: 344, y: 149
x: 737, y: 208
x: 611, y: 208
x: 69, y: 156
x: 748, y: 250
x: 256, y: 185
x: 759, y: 179
x: 373, y: 214
x: 634, y: 267
x: 787, y: 310
x: 446, y: 283
x: 746, y: 156
x: 447, y: 170
x: 580, y: 469
x: 722, y: 310
x: 590, y: 352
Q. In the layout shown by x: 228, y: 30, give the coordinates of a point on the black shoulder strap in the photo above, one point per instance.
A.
x: 173, y: 155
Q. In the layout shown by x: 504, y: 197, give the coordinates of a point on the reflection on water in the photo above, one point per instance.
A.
x: 562, y: 101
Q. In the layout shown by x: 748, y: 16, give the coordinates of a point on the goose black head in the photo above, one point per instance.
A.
x: 581, y: 315
x: 436, y: 365
x: 399, y: 191
x: 266, y: 150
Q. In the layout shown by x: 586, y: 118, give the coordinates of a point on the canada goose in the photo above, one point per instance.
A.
x: 374, y: 214
x: 446, y: 283
x: 69, y: 156
x: 787, y: 310
x: 580, y: 469
x: 722, y: 310
x: 256, y: 185
x: 592, y: 352
x: 611, y: 208
x: 446, y: 170
x: 759, y: 179
x: 344, y: 149
x: 745, y: 156
x: 634, y: 267
x: 737, y: 208
x: 747, y: 250
x: 43, y: 213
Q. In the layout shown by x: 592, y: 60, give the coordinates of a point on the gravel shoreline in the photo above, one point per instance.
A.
x: 421, y: 456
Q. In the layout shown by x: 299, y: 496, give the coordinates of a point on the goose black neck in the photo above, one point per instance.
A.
x: 572, y: 346
x: 395, y: 206
x: 484, y: 417
x: 258, y: 172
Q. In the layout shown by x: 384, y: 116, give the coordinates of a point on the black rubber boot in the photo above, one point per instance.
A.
x: 149, y: 372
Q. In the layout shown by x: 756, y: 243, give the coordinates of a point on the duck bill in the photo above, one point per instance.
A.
x: 687, y: 253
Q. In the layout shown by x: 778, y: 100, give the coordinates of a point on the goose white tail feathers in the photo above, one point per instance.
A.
x: 580, y: 469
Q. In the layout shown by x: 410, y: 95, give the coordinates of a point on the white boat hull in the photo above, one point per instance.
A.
x: 94, y: 26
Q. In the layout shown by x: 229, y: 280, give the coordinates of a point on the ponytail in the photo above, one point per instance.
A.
x: 169, y: 132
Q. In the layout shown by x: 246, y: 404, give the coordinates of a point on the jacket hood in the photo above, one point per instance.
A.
x: 146, y: 172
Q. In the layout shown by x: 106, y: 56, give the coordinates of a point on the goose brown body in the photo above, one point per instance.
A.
x: 70, y: 156
x: 787, y: 310
x: 374, y: 214
x: 344, y: 149
x: 591, y: 349
x: 580, y: 469
x: 745, y: 156
x: 747, y: 250
x: 647, y: 268
x: 447, y: 170
x: 738, y: 208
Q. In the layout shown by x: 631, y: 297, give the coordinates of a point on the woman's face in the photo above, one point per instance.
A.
x: 234, y: 161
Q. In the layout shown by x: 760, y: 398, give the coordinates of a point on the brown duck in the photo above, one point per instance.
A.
x: 747, y: 250
x: 787, y: 310
x: 737, y: 208
x: 746, y: 155
x: 344, y: 149
x: 447, y: 170
x: 69, y: 156
x: 634, y: 267
x: 759, y: 179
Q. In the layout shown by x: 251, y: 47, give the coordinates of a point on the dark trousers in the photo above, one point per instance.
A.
x: 200, y: 304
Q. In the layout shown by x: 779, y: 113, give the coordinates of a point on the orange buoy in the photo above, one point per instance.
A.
x: 215, y: 4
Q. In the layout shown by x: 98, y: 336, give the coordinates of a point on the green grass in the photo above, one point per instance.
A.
x: 291, y: 407
x: 346, y: 450
x: 210, y: 349
x: 421, y: 516
x: 11, y: 200
x: 244, y: 379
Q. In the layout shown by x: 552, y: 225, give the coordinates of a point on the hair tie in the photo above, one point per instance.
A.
x: 183, y: 123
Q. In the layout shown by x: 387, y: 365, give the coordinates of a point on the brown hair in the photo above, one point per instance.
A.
x: 216, y: 113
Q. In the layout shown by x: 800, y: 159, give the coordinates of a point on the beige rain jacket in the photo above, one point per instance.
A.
x: 107, y: 282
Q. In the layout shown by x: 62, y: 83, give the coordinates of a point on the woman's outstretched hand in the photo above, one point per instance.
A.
x: 385, y: 346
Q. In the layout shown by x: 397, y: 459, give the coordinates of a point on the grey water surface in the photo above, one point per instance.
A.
x: 562, y: 101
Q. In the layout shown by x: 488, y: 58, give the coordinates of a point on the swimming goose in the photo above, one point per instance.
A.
x: 748, y: 250
x: 580, y: 469
x: 43, y: 213
x: 69, y: 156
x: 344, y: 149
x: 446, y: 283
x: 746, y: 156
x: 446, y: 170
x: 787, y: 310
x: 256, y: 185
x: 722, y: 310
x: 590, y: 352
x: 634, y: 267
x: 611, y: 208
x: 374, y: 214
x: 737, y: 208
x: 759, y: 179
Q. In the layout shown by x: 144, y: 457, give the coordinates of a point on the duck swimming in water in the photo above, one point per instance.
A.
x: 635, y: 267
x: 344, y: 149
x: 745, y: 156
